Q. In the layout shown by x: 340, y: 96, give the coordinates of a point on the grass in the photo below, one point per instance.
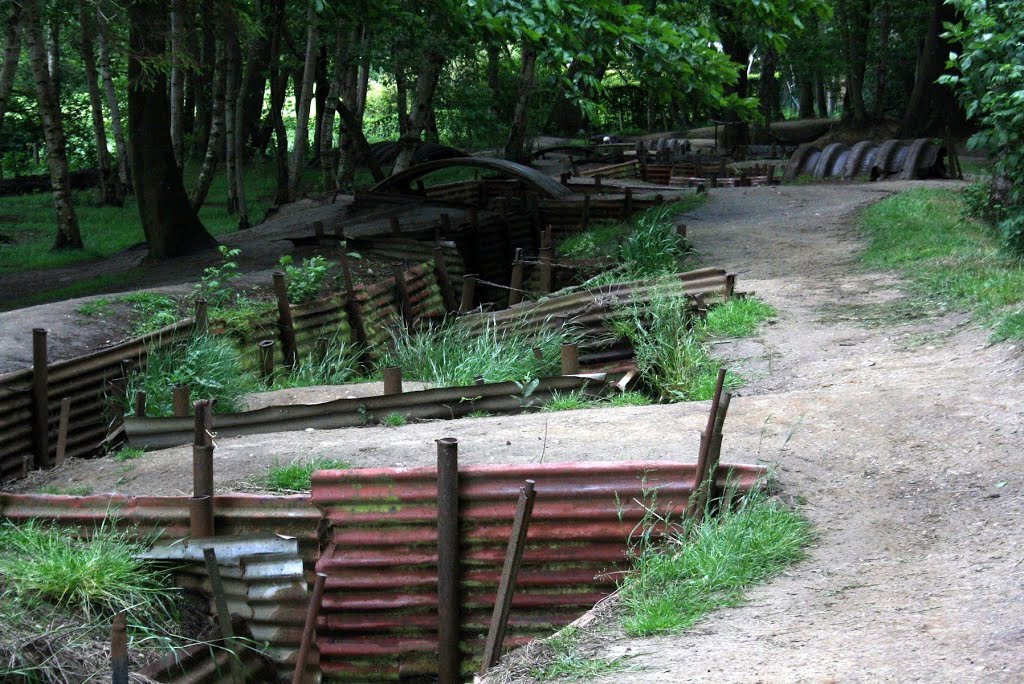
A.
x: 563, y: 660
x: 394, y: 419
x: 211, y: 365
x: 739, y: 317
x: 128, y: 454
x: 569, y: 401
x: 446, y: 357
x: 676, y: 583
x: 952, y: 261
x: 79, y: 288
x: 74, y: 490
x: 629, y: 399
x: 102, y: 574
x: 98, y: 307
x: 297, y: 475
x: 338, y: 364
x: 672, y: 359
x: 151, y: 311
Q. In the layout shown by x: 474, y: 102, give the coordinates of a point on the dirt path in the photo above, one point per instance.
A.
x: 900, y: 431
x: 907, y: 448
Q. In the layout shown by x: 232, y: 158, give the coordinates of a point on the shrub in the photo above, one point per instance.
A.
x: 305, y: 282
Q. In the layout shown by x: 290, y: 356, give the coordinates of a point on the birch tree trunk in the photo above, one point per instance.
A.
x: 111, y: 191
x: 207, y: 59
x: 123, y: 167
x: 215, y: 139
x: 68, y: 234
x: 342, y: 85
x: 277, y: 94
x: 12, y: 52
x: 426, y: 84
x: 305, y: 101
x: 177, y: 80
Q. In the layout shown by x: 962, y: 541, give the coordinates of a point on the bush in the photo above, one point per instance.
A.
x: 306, y: 281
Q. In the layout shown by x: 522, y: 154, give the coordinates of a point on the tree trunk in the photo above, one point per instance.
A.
x: 402, y: 101
x: 111, y: 192
x: 171, y: 226
x: 426, y: 84
x: 123, y: 168
x: 878, y: 108
x: 354, y: 136
x: 215, y: 139
x: 735, y: 133
x: 177, y: 80
x: 278, y: 85
x: 806, y: 95
x: 320, y: 92
x: 305, y: 101
x: 494, y: 77
x: 231, y: 79
x: 855, y: 20
x: 933, y: 106
x: 768, y: 86
x: 190, y: 49
x: 53, y: 61
x: 516, y: 143
x: 342, y: 79
x: 12, y: 52
x: 820, y: 95
x: 254, y: 84
x: 240, y: 139
x: 207, y: 57
x: 68, y: 235
x: 352, y: 144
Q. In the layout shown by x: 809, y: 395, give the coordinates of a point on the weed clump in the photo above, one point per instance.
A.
x: 297, y: 476
x: 696, y: 571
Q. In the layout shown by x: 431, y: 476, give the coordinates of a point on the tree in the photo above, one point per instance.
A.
x: 68, y: 234
x: 12, y: 52
x: 171, y: 226
x: 305, y: 100
x: 111, y: 190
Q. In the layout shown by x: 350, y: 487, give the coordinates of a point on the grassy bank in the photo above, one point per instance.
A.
x: 951, y: 260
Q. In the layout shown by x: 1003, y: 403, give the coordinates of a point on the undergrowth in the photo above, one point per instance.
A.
x: 952, y: 260
x: 563, y: 659
x: 446, y: 356
x: 297, y: 475
x: 675, y: 583
x: 60, y: 593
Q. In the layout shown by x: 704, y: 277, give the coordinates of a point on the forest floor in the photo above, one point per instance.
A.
x: 898, y: 431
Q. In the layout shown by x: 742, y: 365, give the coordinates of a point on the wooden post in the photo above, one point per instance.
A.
x: 181, y: 400
x: 286, y: 328
x: 515, y: 293
x: 140, y: 404
x: 40, y: 400
x: 202, y: 318
x: 355, y: 313
x: 570, y: 359
x: 396, y: 226
x: 312, y: 611
x: 393, y: 380
x: 62, y: 430
x: 468, y: 294
x: 547, y: 269
x: 448, y: 602
x: 627, y: 203
x: 585, y: 218
x: 402, y: 295
x: 444, y: 283
x: 267, y: 360
x: 201, y: 505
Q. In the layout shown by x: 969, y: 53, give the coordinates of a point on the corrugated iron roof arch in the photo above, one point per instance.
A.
x: 402, y: 182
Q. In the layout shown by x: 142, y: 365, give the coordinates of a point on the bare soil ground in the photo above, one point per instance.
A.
x: 897, y: 429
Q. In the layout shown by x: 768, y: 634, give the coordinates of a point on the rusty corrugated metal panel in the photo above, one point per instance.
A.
x: 905, y: 159
x: 379, y: 614
x: 441, y: 403
x: 402, y: 182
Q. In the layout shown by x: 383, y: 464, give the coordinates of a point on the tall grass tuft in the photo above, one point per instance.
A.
x: 101, y: 574
x: 670, y: 357
x: 446, y: 356
x: 737, y: 317
x: 676, y: 583
x: 297, y: 476
x: 340, y: 364
x: 210, y: 364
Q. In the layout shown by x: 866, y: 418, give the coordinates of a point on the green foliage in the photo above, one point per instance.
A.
x: 676, y: 583
x: 603, y: 240
x: 952, y: 260
x: 568, y: 401
x: 737, y: 317
x: 991, y: 84
x: 297, y: 475
x: 97, y: 307
x: 340, y: 364
x: 629, y: 399
x: 563, y: 659
x: 101, y: 574
x: 394, y: 419
x: 306, y: 281
x: 671, y: 358
x: 445, y: 356
x: 212, y: 366
x: 128, y: 454
x: 151, y: 311
x: 215, y: 284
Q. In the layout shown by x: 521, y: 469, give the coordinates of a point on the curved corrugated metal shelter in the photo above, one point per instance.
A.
x: 901, y: 159
x: 402, y: 182
x: 386, y: 152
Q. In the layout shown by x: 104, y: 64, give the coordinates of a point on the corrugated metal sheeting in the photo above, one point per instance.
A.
x: 900, y: 159
x: 441, y: 403
x: 402, y: 182
x: 379, y: 616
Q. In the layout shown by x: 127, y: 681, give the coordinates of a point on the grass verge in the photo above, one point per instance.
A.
x: 678, y: 582
x: 951, y: 260
x: 297, y: 475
